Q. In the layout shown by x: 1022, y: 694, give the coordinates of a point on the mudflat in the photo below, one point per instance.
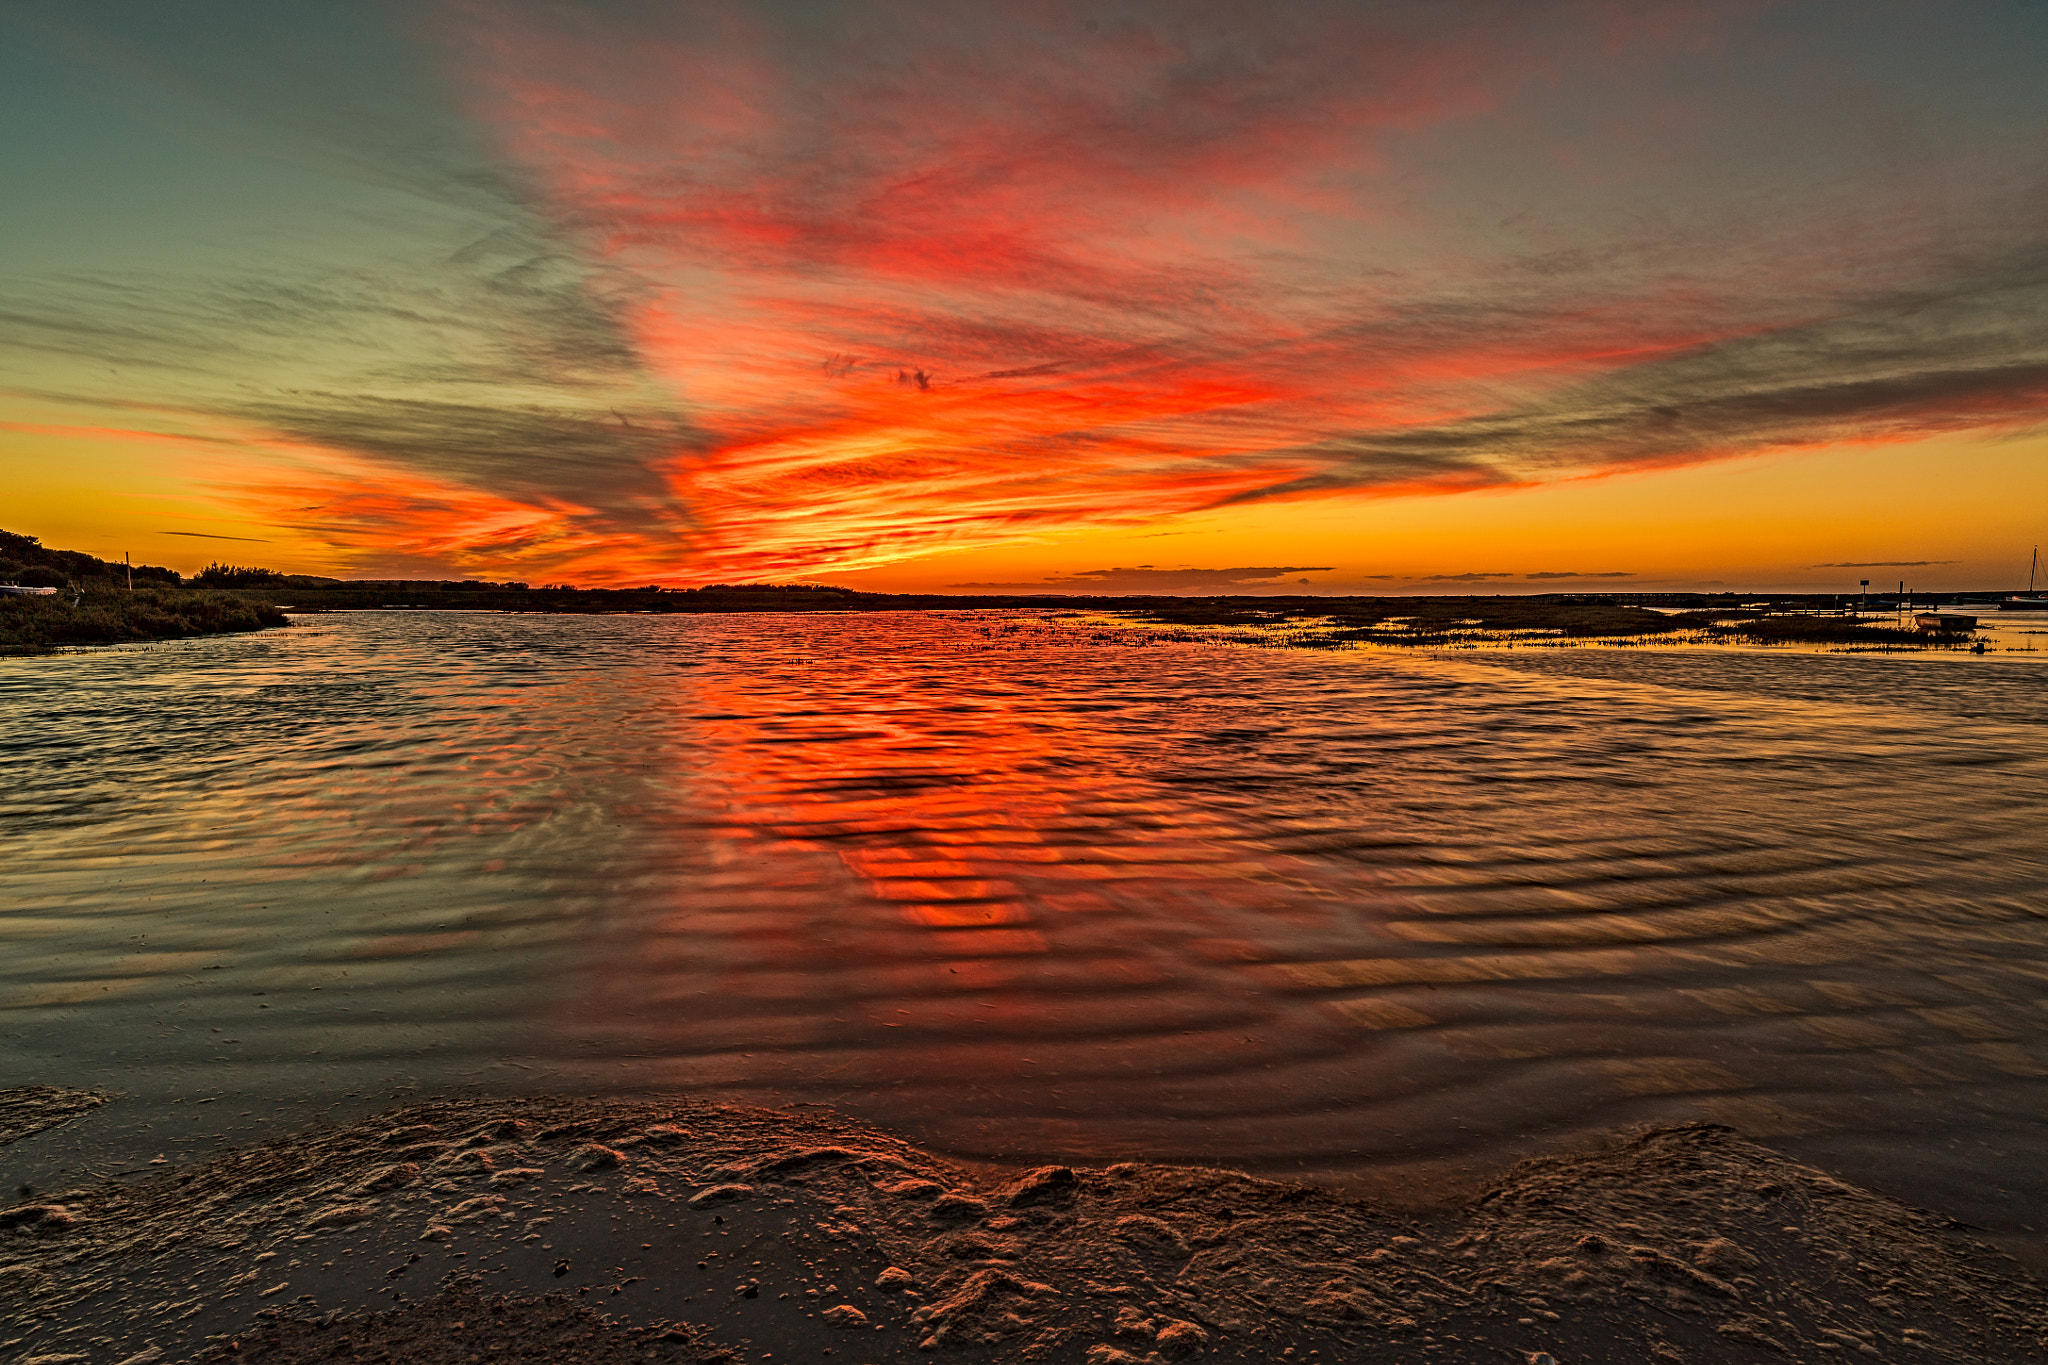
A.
x: 598, y: 1230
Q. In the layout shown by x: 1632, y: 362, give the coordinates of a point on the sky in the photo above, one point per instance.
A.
x: 1372, y: 296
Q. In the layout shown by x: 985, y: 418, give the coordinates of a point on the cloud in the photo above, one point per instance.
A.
x: 1889, y: 564
x: 1115, y: 264
x: 405, y: 315
x: 1969, y: 353
x: 496, y: 371
x: 774, y: 290
x: 1609, y: 574
x: 595, y: 459
x: 1462, y: 577
x: 1144, y: 579
x: 201, y: 535
x: 1088, y: 251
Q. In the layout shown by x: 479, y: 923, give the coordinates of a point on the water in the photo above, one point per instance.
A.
x: 1020, y: 892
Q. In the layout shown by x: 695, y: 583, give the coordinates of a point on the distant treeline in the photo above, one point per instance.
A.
x: 1320, y: 622
x: 243, y: 576
x: 24, y: 560
x: 356, y: 594
x: 1299, y: 622
x: 96, y: 606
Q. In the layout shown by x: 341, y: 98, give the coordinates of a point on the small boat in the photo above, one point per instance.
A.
x: 2031, y: 601
x: 16, y: 590
x: 1945, y: 620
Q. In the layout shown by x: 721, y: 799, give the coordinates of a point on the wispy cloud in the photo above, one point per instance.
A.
x: 495, y: 372
x: 760, y: 289
x: 1969, y: 353
x: 1888, y: 564
x: 938, y: 279
x: 202, y: 535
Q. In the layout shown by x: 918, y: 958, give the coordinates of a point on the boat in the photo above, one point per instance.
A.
x: 16, y: 590
x: 1952, y: 621
x: 2031, y: 600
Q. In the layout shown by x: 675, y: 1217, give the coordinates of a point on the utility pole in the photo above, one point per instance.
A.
x: 130, y: 568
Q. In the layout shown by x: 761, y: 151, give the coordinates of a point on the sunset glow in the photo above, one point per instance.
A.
x: 1084, y: 682
x: 938, y: 298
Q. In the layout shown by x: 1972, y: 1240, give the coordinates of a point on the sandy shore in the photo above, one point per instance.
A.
x: 561, y: 1230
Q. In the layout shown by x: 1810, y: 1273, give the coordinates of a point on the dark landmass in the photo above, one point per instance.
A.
x: 102, y: 614
x: 94, y: 604
x: 1296, y: 622
x: 1435, y: 622
x: 611, y: 1230
x: 25, y: 561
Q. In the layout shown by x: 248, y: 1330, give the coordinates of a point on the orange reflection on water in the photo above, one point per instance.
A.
x: 1021, y: 894
x: 884, y: 889
x: 1024, y: 896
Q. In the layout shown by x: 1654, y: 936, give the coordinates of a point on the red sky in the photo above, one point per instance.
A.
x: 721, y: 291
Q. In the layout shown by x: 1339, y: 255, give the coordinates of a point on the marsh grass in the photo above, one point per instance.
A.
x: 1829, y: 630
x: 1428, y: 621
x: 105, y: 615
x: 1495, y: 622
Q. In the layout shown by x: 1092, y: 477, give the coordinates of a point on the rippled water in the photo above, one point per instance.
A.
x: 995, y: 882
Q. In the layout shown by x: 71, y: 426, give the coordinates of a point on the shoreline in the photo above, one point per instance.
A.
x: 1409, y: 622
x: 39, y: 626
x: 684, y: 1231
x: 99, y: 615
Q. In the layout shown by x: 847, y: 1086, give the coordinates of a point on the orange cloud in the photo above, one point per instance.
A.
x: 358, y: 516
x: 929, y: 279
x: 962, y: 290
x: 773, y: 289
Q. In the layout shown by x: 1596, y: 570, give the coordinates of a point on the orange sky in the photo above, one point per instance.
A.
x: 1380, y: 297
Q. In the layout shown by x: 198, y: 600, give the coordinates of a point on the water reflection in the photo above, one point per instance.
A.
x: 1024, y: 895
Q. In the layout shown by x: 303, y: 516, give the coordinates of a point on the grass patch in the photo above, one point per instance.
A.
x: 1454, y: 622
x: 106, y: 615
x: 1832, y: 630
x: 1420, y: 621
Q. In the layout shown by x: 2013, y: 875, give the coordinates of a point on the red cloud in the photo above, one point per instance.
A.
x: 930, y: 276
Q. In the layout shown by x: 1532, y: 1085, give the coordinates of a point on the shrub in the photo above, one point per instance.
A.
x: 238, y: 576
x: 104, y: 614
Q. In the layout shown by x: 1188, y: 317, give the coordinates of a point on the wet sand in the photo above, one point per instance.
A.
x: 29, y: 1109
x: 600, y: 1230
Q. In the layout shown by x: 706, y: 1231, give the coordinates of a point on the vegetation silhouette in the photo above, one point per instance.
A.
x: 236, y: 576
x: 25, y: 560
x: 95, y: 606
x: 100, y: 613
x: 1304, y: 622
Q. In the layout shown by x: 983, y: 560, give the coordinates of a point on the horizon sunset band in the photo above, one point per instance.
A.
x: 904, y: 298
